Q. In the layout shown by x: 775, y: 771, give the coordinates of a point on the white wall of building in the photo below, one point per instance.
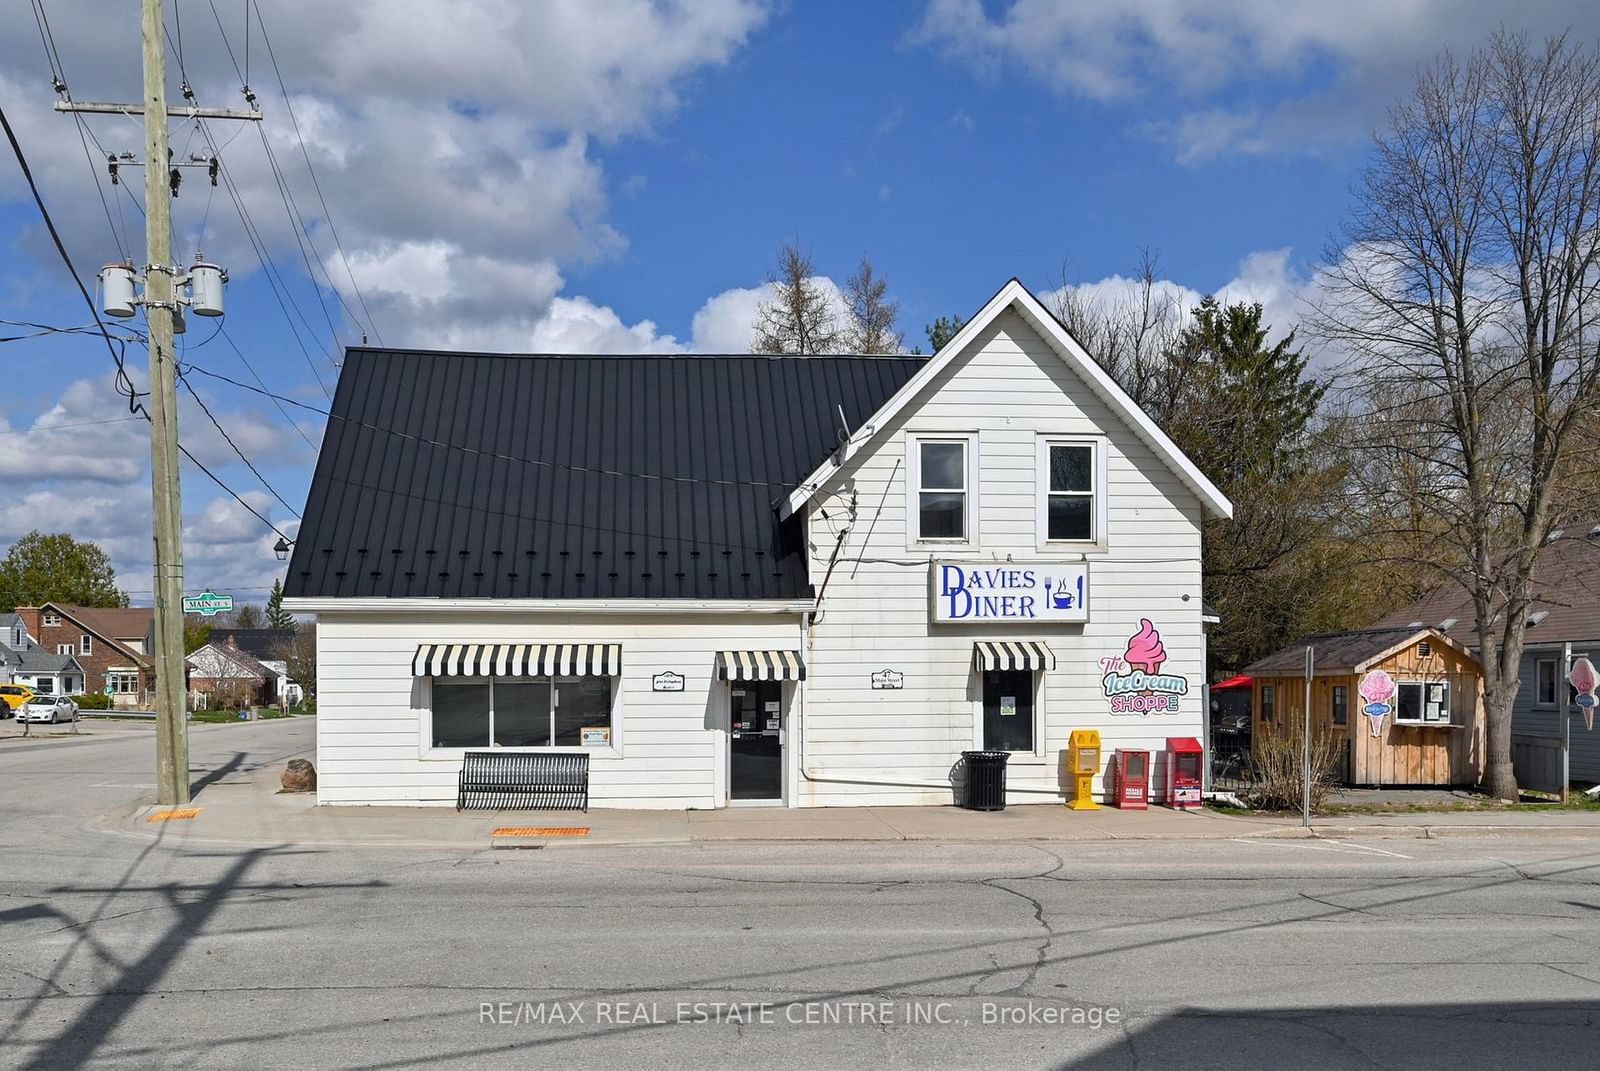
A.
x: 1006, y: 389
x: 671, y: 747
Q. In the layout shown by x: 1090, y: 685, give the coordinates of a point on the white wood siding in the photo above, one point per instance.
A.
x: 672, y: 745
x: 1009, y: 387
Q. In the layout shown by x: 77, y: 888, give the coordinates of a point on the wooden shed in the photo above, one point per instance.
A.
x: 1433, y: 732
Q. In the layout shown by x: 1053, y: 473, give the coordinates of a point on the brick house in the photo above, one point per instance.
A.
x: 112, y: 645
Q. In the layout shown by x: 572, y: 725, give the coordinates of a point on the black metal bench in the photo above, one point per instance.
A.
x: 518, y: 780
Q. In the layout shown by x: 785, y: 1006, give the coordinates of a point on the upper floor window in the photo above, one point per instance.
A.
x: 943, y: 499
x: 86, y: 644
x: 1071, y: 490
x: 51, y: 620
x: 63, y: 648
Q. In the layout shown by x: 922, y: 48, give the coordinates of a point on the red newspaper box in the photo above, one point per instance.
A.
x: 1132, y: 791
x: 1184, y: 756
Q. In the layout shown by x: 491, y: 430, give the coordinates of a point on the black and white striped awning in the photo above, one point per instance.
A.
x: 517, y: 660
x: 760, y: 666
x: 1012, y: 654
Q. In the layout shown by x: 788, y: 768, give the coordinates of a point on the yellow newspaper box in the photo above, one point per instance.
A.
x: 1084, y: 757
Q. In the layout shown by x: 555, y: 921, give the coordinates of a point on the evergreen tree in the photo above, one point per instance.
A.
x: 943, y: 330
x: 277, y: 616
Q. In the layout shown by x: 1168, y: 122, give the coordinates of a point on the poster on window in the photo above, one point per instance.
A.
x: 595, y: 736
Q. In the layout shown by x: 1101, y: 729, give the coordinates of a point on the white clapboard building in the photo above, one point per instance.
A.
x: 734, y: 580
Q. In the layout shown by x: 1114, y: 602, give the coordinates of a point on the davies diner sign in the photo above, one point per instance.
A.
x: 1010, y: 591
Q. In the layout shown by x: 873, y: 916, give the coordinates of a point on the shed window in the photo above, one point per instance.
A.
x: 1266, y: 702
x: 1341, y: 704
x: 1544, y: 682
x: 518, y: 711
x: 942, y: 489
x: 1423, y: 703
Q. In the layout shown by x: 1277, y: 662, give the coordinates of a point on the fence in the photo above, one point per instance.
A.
x: 1538, y: 763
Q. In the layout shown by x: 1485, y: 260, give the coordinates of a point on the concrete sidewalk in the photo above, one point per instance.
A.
x: 246, y: 808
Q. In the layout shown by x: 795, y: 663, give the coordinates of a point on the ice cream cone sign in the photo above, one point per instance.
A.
x: 1377, y: 688
x: 1145, y: 650
x: 1583, y: 679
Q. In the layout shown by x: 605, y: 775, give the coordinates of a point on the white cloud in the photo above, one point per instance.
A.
x: 1274, y: 54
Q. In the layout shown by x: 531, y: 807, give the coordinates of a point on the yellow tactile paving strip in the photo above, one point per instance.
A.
x: 542, y: 831
x: 173, y: 816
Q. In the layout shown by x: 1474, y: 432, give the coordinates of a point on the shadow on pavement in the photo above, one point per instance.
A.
x: 1547, y: 1034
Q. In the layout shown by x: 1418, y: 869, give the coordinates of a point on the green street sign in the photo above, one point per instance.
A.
x: 207, y: 604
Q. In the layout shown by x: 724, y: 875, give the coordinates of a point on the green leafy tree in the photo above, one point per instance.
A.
x: 196, y: 634
x: 246, y: 615
x: 54, y: 567
x: 277, y: 616
x: 943, y: 330
x: 1246, y: 412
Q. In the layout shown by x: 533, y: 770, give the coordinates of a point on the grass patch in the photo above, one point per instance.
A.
x: 215, y: 717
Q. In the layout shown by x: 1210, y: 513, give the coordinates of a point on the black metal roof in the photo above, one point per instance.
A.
x: 473, y: 475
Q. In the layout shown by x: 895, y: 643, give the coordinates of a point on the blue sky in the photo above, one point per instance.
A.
x: 618, y: 176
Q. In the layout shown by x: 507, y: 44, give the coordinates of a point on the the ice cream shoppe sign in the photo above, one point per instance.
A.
x: 1133, y: 681
x: 1010, y: 591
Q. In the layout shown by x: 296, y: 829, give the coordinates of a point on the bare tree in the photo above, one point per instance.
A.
x: 799, y: 316
x: 1133, y: 335
x: 298, y: 652
x: 872, y: 315
x: 1464, y: 294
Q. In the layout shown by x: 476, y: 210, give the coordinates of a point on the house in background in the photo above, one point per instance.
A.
x: 110, y: 645
x: 24, y: 661
x: 1434, y: 735
x: 1565, y: 615
x: 222, y: 675
x: 267, y: 646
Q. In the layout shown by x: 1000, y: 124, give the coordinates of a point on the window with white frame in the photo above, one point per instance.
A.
x: 124, y: 683
x: 482, y: 712
x: 86, y: 644
x: 1071, y: 490
x: 51, y: 620
x: 1544, y: 682
x: 63, y: 648
x: 942, y: 477
x: 1423, y: 703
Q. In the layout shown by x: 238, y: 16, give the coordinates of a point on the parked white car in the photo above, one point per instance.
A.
x: 50, y: 708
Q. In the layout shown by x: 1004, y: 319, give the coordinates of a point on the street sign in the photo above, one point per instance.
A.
x: 207, y: 604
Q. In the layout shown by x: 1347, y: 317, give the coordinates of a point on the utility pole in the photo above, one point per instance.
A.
x: 161, y: 303
x: 172, y: 730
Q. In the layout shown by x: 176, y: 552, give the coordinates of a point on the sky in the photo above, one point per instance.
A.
x: 618, y: 176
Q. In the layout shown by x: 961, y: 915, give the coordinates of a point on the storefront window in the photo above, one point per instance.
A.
x: 1423, y: 703
x: 1008, y: 710
x: 519, y: 711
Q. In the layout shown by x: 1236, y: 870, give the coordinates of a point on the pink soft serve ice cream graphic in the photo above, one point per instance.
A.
x: 1377, y: 688
x: 1145, y: 650
x: 1584, y: 680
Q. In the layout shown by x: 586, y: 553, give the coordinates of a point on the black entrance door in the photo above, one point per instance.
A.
x: 755, y: 769
x: 1008, y: 710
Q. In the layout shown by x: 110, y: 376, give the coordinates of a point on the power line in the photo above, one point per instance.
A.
x: 224, y: 433
x: 316, y: 185
x: 257, y: 376
x: 124, y: 383
x: 514, y: 459
x: 40, y: 428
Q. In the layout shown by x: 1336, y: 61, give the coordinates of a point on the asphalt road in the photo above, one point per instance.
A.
x: 118, y: 951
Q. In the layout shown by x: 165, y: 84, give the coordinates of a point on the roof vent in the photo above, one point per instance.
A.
x: 1555, y: 534
x: 1424, y: 649
x: 1447, y: 624
x: 1537, y: 616
x: 1417, y: 624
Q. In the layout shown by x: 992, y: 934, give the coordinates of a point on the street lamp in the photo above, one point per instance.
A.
x: 281, y: 549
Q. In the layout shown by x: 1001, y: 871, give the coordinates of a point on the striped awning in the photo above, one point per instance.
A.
x: 760, y: 666
x: 1012, y: 654
x: 517, y: 660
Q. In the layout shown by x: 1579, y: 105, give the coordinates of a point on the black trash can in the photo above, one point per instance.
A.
x: 985, y: 788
